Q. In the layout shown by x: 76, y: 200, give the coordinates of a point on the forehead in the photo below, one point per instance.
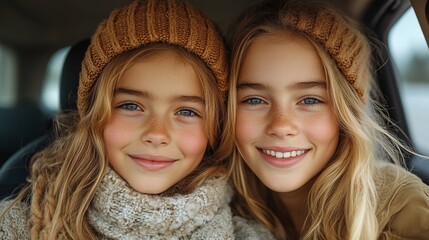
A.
x: 164, y: 71
x: 283, y: 38
x: 284, y: 56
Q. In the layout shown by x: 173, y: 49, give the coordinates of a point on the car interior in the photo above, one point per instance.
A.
x: 31, y: 33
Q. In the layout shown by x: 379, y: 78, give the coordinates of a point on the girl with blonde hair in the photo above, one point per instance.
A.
x: 312, y: 158
x: 140, y: 159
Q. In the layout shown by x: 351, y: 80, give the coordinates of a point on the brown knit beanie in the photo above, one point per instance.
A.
x: 151, y: 21
x: 341, y: 38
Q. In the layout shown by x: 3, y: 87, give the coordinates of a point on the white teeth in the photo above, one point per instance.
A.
x: 283, y: 154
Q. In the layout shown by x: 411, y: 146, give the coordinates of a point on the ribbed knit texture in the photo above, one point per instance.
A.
x: 344, y: 44
x: 144, y: 22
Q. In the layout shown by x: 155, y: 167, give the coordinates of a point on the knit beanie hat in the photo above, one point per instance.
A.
x: 144, y: 22
x: 341, y: 38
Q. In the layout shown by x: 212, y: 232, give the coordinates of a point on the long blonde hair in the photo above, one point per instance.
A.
x: 345, y: 188
x: 65, y: 176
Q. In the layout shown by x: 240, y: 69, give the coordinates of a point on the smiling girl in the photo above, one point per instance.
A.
x: 141, y: 158
x: 311, y: 158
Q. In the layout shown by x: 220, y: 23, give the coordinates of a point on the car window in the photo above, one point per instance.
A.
x: 410, y: 55
x: 2, y: 80
x: 51, y: 84
x: 7, y: 78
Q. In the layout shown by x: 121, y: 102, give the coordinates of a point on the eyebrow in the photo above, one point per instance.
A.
x: 297, y: 85
x: 310, y: 84
x: 136, y: 93
x: 255, y: 86
x: 144, y: 94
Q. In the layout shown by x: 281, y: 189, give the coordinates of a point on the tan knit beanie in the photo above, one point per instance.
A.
x: 341, y: 38
x: 151, y: 21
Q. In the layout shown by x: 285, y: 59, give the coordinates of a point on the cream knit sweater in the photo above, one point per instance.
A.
x: 119, y: 212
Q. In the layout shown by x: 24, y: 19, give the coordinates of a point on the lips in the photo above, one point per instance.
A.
x: 153, y: 163
x: 283, y: 154
x: 283, y: 158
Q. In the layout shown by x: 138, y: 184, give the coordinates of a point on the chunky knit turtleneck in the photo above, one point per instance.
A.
x: 119, y: 212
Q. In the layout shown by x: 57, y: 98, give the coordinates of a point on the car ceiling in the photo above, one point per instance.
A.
x: 29, y: 23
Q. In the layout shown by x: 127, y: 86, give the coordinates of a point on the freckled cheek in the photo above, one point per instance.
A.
x: 193, y: 142
x: 118, y: 134
x: 247, y: 127
x: 323, y: 130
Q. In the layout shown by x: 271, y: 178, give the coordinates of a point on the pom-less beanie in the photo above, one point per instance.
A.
x: 144, y: 22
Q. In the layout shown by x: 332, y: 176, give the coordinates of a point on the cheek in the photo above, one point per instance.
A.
x: 324, y: 130
x: 246, y: 127
x: 193, y: 142
x: 116, y: 134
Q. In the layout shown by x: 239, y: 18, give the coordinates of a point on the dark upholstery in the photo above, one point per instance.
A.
x: 419, y: 167
x: 15, y: 132
x: 15, y: 170
x: 70, y: 75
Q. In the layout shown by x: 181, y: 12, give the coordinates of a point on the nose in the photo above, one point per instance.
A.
x: 282, y: 123
x: 156, y: 132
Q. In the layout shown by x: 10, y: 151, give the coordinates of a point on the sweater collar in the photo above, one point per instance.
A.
x: 118, y: 211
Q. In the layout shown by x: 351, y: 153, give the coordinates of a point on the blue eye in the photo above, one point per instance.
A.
x: 310, y: 101
x: 254, y: 101
x: 130, y: 107
x: 187, y: 113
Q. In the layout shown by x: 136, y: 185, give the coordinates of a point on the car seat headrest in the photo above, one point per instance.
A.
x: 69, y: 80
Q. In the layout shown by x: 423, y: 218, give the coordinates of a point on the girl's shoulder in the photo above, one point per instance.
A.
x: 390, y: 178
x: 250, y: 229
x: 386, y: 171
x: 13, y: 220
x: 403, y: 203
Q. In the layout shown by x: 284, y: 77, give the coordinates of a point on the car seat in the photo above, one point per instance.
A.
x: 419, y: 167
x: 15, y: 131
x: 14, y: 171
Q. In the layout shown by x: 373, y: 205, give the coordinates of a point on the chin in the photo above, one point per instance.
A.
x: 148, y: 190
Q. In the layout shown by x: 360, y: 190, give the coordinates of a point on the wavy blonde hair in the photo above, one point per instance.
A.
x: 65, y: 176
x: 345, y: 188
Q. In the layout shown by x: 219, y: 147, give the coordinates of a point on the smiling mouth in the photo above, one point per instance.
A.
x: 153, y: 163
x: 289, y: 154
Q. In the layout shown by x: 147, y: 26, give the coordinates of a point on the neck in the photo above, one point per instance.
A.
x: 295, y: 205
